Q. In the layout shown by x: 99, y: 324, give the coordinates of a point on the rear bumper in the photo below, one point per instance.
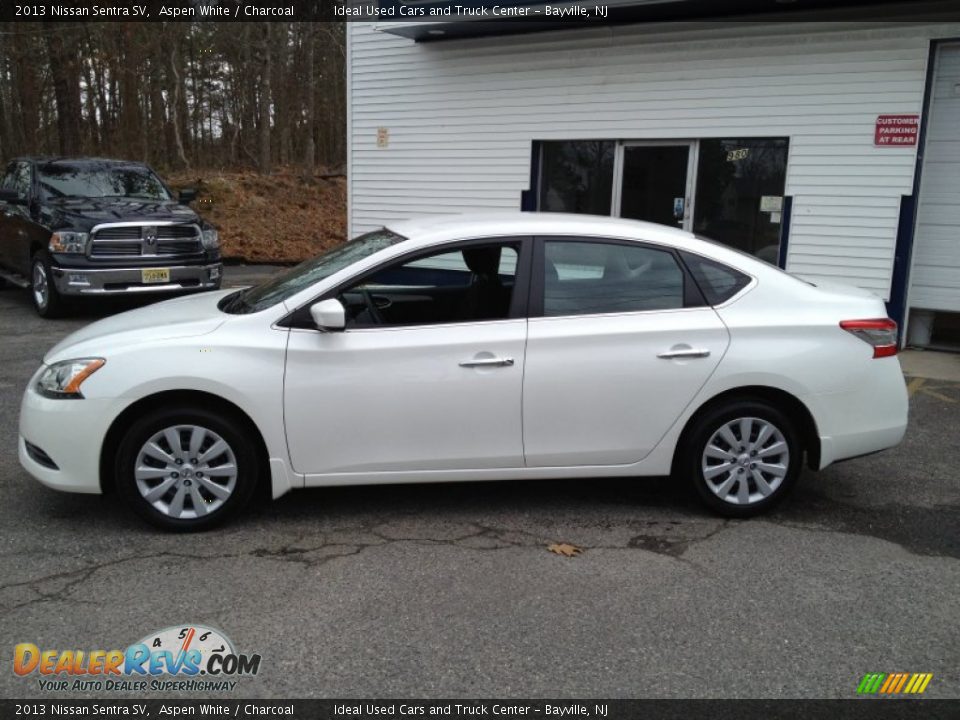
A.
x: 129, y: 280
x: 871, y: 416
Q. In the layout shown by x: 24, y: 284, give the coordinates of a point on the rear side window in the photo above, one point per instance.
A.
x: 584, y: 278
x: 718, y: 282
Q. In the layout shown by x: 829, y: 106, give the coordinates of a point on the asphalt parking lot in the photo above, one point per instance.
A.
x: 450, y: 591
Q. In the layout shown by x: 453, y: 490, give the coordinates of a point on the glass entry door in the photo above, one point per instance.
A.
x: 654, y: 182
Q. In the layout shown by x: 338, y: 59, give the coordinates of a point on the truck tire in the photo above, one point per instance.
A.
x: 46, y: 300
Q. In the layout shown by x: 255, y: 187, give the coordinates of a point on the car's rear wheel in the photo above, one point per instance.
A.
x: 46, y: 299
x: 743, y: 457
x: 186, y: 469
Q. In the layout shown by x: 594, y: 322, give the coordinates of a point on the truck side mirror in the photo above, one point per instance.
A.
x: 12, y: 197
x: 188, y: 195
x: 329, y: 315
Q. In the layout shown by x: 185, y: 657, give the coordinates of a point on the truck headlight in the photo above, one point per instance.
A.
x: 63, y: 379
x: 210, y: 239
x: 68, y: 241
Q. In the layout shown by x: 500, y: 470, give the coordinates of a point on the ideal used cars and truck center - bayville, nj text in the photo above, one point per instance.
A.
x: 407, y: 11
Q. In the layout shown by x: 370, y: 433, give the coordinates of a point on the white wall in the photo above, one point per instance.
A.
x: 461, y: 116
x: 935, y: 278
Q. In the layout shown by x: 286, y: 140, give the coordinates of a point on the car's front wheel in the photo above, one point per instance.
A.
x: 186, y: 469
x: 743, y: 457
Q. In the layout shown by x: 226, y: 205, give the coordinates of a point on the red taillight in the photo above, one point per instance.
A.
x: 880, y: 333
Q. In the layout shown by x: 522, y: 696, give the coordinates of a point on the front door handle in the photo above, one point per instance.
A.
x: 684, y: 353
x: 487, y: 362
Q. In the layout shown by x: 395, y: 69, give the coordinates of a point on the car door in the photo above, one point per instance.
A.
x: 619, y: 342
x: 427, y: 374
x: 16, y: 226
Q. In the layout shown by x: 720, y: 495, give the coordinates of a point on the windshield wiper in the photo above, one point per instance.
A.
x: 235, y: 303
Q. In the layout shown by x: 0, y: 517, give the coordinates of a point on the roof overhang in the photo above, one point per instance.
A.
x: 407, y: 21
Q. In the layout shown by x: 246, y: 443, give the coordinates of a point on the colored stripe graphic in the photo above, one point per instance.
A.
x: 894, y: 683
x: 870, y: 683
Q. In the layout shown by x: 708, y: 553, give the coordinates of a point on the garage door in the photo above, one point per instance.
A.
x: 936, y: 265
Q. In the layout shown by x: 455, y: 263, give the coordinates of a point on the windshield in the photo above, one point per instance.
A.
x: 94, y: 181
x: 289, y: 283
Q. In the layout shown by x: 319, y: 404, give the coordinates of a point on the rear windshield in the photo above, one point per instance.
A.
x: 63, y: 180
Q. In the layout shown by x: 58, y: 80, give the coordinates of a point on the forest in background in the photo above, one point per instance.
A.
x: 176, y: 95
x: 252, y: 115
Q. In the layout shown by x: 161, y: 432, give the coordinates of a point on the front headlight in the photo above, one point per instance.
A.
x: 210, y: 239
x: 63, y: 379
x: 67, y: 241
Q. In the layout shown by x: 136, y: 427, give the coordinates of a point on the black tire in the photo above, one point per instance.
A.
x: 762, y: 493
x: 46, y: 300
x: 239, y: 442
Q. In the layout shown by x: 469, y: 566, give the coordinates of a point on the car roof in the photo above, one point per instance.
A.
x: 54, y: 160
x: 440, y: 227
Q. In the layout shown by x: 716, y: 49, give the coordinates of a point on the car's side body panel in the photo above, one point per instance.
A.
x: 377, y: 399
x: 597, y: 391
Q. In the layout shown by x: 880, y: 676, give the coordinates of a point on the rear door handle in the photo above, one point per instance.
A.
x: 487, y: 362
x: 685, y: 353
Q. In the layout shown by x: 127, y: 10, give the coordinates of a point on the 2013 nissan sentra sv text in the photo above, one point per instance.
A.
x: 472, y: 348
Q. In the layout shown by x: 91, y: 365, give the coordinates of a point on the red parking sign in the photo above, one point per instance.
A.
x: 897, y: 130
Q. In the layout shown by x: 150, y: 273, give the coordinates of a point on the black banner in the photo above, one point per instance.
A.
x: 544, y: 14
x: 859, y: 709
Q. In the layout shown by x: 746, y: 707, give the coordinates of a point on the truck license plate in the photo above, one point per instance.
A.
x: 155, y: 275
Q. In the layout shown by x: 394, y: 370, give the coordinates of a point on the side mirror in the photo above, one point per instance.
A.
x: 329, y: 315
x: 188, y: 195
x: 11, y: 197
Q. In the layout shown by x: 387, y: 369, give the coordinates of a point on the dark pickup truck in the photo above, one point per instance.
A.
x: 73, y: 227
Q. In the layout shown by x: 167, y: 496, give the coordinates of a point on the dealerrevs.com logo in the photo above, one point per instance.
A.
x: 181, y: 658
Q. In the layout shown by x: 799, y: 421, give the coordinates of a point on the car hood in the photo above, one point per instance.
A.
x: 181, y: 317
x: 84, y: 213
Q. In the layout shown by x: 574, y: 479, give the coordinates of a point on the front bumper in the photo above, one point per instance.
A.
x: 70, y: 435
x: 123, y: 281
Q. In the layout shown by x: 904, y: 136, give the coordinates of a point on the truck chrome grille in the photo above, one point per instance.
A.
x: 135, y: 240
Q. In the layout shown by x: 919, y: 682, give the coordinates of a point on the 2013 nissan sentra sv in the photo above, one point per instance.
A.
x: 472, y: 348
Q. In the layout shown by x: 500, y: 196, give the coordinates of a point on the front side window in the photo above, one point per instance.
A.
x: 585, y: 278
x: 18, y: 178
x: 463, y: 285
x: 90, y: 180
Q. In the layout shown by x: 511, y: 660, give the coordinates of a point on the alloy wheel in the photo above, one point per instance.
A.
x: 745, y: 461
x: 186, y: 471
x: 41, y: 290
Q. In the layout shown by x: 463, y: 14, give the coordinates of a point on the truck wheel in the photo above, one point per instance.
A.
x: 46, y: 300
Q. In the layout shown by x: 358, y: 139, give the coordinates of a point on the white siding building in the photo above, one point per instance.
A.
x: 770, y: 136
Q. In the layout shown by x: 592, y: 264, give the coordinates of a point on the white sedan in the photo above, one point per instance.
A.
x: 472, y: 348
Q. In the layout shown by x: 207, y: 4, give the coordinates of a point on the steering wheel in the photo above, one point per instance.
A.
x: 372, y: 308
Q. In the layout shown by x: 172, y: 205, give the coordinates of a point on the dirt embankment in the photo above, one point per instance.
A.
x: 275, y: 218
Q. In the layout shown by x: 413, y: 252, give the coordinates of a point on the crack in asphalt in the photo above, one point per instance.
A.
x: 667, y: 538
x: 479, y: 538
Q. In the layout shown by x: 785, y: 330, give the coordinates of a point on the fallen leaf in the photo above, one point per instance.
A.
x: 565, y: 549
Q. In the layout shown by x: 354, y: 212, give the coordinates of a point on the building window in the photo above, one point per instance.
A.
x: 576, y: 176
x: 739, y: 199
